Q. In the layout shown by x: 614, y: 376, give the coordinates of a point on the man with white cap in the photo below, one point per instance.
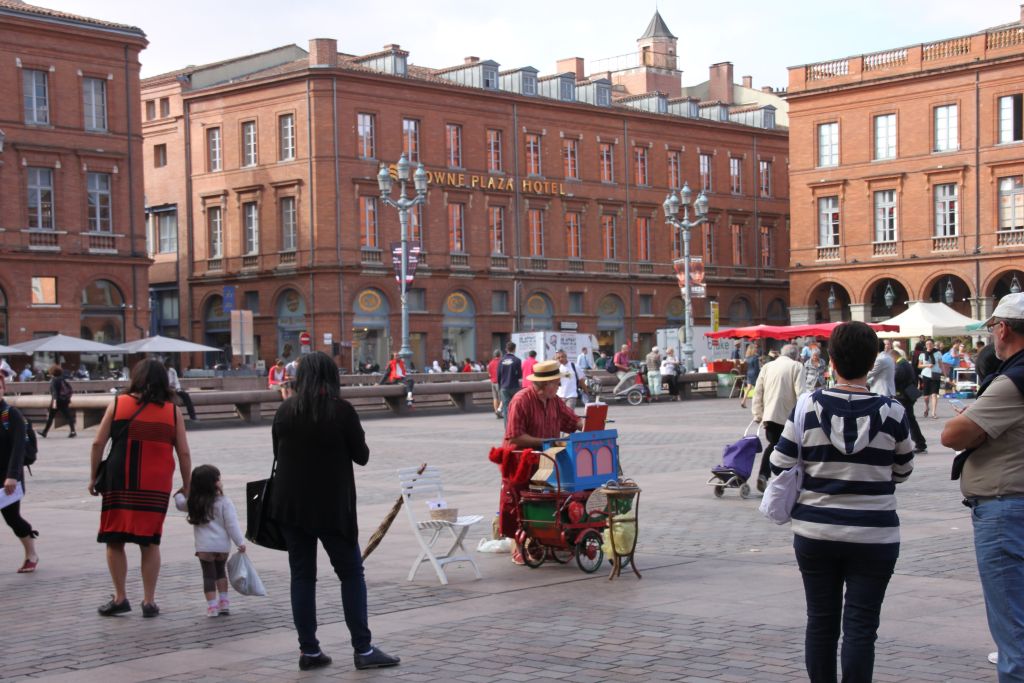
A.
x: 990, y: 434
x: 536, y: 414
x: 653, y: 362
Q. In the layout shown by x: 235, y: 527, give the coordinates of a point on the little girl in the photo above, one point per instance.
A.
x: 216, y: 526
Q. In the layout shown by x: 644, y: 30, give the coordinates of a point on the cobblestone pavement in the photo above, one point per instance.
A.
x: 720, y: 600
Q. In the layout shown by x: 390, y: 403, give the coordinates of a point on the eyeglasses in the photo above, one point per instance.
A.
x: 990, y: 327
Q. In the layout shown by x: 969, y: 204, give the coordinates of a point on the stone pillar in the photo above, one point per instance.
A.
x: 801, y: 315
x: 861, y: 312
x: 981, y: 307
x: 835, y: 313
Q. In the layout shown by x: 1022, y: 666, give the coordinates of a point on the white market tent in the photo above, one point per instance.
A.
x: 158, y: 344
x: 60, y: 343
x: 930, y: 319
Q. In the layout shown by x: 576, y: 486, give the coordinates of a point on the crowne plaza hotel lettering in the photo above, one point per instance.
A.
x: 475, y: 181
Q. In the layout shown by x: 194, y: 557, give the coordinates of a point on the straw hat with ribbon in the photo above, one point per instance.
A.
x: 546, y: 371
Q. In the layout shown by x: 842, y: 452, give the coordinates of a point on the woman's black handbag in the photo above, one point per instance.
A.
x: 260, y: 528
x: 100, y: 484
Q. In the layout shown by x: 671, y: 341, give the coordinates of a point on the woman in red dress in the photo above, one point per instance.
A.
x: 145, y: 428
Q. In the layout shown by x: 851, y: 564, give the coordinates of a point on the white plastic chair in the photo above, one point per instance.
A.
x: 416, y: 490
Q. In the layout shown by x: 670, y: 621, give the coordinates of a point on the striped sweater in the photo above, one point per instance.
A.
x: 856, y: 448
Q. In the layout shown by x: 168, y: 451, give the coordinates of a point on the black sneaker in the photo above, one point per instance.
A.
x: 921, y: 449
x: 112, y: 608
x: 377, y: 659
x: 150, y: 610
x: 307, y: 662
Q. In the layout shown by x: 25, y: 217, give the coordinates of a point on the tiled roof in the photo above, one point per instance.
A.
x: 25, y: 8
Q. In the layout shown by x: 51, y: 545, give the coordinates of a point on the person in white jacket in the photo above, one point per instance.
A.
x: 775, y: 393
x: 216, y: 526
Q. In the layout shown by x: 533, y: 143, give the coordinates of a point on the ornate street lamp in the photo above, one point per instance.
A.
x: 889, y: 296
x: 831, y: 296
x: 403, y: 204
x: 949, y: 294
x: 700, y: 208
x: 1014, y: 285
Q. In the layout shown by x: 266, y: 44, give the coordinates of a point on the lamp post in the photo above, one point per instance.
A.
x: 403, y: 204
x: 700, y: 209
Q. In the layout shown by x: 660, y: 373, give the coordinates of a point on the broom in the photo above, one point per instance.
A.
x: 378, y: 535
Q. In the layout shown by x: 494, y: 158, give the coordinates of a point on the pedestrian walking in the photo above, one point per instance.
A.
x: 13, y: 446
x: 569, y: 389
x: 145, y: 429
x: 316, y: 439
x: 882, y: 376
x: 175, y: 384
x: 510, y: 375
x: 929, y: 363
x: 215, y: 527
x: 990, y: 434
x: 753, y: 369
x: 775, y: 393
x: 60, y: 401
x: 907, y: 393
x: 492, y: 375
x: 855, y: 447
x: 815, y: 369
x: 669, y: 371
x: 653, y: 363
x: 531, y: 360
x: 584, y: 361
x: 621, y: 361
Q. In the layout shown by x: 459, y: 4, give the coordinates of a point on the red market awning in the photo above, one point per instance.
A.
x: 788, y: 331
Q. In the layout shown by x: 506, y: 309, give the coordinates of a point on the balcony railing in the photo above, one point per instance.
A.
x: 215, y: 264
x: 883, y: 249
x: 538, y: 263
x: 43, y: 240
x: 945, y: 243
x: 611, y: 267
x: 828, y: 253
x: 370, y: 255
x: 1009, y: 238
x: 575, y: 265
x: 499, y: 262
x: 885, y: 60
x: 287, y: 258
x: 251, y: 261
x: 954, y: 47
x: 459, y: 260
x: 826, y: 70
x: 1008, y: 37
x: 102, y: 243
x: 646, y: 268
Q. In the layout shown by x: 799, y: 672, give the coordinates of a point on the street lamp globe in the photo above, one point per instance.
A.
x: 403, y: 168
x: 671, y: 205
x: 701, y: 205
x: 686, y: 193
x: 384, y: 180
x: 949, y: 294
x: 419, y: 180
x: 889, y: 296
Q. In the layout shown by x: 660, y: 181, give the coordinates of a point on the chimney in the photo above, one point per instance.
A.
x: 470, y: 60
x: 748, y: 82
x: 768, y: 89
x: 720, y: 86
x: 573, y: 64
x: 323, y: 52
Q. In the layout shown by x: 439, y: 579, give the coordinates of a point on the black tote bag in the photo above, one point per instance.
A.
x: 259, y: 527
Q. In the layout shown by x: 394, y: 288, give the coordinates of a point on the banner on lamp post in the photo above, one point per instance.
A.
x: 714, y: 315
x: 697, y: 288
x: 414, y: 259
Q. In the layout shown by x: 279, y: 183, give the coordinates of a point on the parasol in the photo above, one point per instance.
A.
x: 378, y: 535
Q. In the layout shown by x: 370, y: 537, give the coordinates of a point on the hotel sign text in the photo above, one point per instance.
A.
x: 474, y: 181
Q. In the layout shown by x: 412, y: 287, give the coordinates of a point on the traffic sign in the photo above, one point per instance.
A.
x: 305, y: 339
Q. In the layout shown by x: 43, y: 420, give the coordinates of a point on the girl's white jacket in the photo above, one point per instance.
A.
x: 216, y: 535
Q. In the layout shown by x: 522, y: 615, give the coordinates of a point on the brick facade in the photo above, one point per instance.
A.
x: 921, y: 126
x: 473, y: 295
x: 63, y: 268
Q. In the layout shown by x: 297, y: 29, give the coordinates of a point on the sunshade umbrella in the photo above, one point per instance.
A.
x: 10, y: 350
x: 787, y: 331
x: 931, y: 319
x: 378, y: 535
x: 825, y: 329
x: 160, y: 344
x: 60, y: 343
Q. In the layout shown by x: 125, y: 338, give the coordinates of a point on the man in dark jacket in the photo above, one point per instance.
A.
x: 907, y: 394
x: 510, y: 377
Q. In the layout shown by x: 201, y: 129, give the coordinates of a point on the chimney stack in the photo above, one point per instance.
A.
x: 720, y: 86
x: 748, y: 82
x: 470, y: 60
x: 573, y: 64
x: 323, y: 52
x: 768, y: 89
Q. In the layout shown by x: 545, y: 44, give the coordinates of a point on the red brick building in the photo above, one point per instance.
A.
x: 72, y: 234
x: 906, y: 175
x: 543, y: 211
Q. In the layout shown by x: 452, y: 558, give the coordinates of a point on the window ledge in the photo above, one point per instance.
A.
x: 45, y: 305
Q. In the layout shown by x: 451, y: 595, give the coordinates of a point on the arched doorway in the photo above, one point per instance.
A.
x: 1009, y: 282
x: 102, y: 317
x: 216, y: 329
x: 3, y: 317
x: 831, y: 303
x: 371, y: 330
x: 611, y: 324
x: 888, y: 298
x: 539, y: 313
x: 952, y: 291
x: 777, y: 313
x: 291, y: 322
x: 741, y: 313
x: 458, y: 329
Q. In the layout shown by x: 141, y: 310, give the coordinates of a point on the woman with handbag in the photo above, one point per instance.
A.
x: 145, y: 430
x: 854, y: 447
x: 316, y: 438
x: 13, y: 447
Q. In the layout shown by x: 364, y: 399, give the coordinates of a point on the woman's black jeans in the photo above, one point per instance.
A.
x: 64, y: 408
x: 348, y: 565
x: 864, y: 570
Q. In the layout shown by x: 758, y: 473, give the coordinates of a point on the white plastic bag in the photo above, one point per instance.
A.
x: 501, y: 545
x: 780, y: 496
x: 243, y: 577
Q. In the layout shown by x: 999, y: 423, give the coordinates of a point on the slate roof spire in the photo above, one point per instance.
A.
x: 657, y: 28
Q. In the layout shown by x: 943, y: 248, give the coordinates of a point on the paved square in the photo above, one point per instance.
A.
x: 721, y: 598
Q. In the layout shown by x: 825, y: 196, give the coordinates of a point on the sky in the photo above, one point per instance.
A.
x: 761, y: 39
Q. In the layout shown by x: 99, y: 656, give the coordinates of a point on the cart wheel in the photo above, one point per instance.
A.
x: 560, y: 555
x: 589, y: 555
x: 635, y: 397
x: 744, y: 491
x: 719, y: 491
x: 533, y: 553
x: 762, y: 484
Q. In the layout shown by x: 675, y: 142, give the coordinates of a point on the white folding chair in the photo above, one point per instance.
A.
x: 416, y: 490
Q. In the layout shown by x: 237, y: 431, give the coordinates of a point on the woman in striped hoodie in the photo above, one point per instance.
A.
x: 855, y: 448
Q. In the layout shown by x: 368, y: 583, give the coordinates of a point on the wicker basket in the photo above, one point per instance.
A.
x: 445, y: 514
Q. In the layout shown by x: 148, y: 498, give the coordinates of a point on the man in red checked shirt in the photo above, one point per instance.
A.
x: 621, y: 361
x: 536, y: 414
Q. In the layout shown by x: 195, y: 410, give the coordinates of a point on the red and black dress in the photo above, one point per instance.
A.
x: 139, y: 472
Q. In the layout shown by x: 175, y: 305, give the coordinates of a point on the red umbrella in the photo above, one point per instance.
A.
x: 788, y: 331
x: 825, y: 329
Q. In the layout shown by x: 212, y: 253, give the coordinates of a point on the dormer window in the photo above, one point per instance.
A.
x: 490, y: 78
x: 529, y: 84
x: 567, y: 90
x: 603, y: 95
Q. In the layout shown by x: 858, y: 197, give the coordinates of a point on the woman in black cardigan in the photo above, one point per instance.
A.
x: 317, y: 436
x: 12, y: 468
